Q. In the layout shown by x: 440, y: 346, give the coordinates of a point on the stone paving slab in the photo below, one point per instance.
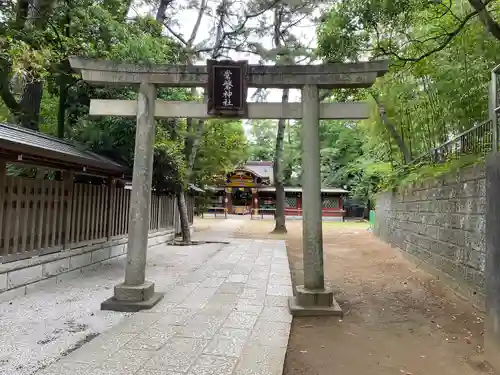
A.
x: 227, y: 316
x: 43, y: 326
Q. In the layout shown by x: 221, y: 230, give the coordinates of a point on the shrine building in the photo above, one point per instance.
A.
x: 250, y: 187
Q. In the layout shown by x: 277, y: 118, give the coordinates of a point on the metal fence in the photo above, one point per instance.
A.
x: 478, y: 141
x: 40, y: 216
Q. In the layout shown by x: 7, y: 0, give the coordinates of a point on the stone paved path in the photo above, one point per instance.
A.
x: 220, y: 229
x: 224, y: 312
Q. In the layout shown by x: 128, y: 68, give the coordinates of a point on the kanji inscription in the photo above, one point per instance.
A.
x: 227, y: 88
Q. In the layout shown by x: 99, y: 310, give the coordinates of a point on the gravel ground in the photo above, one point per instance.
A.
x: 43, y: 326
x: 50, y: 323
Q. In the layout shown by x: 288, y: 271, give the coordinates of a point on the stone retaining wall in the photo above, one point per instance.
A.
x: 441, y: 224
x: 23, y: 276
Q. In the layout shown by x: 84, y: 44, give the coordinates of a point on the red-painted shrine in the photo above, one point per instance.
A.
x: 250, y: 187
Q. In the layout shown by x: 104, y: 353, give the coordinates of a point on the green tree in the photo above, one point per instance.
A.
x: 437, y: 86
x: 262, y: 139
x: 377, y: 28
x: 223, y: 146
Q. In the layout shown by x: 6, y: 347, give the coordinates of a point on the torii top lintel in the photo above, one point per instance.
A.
x: 348, y: 75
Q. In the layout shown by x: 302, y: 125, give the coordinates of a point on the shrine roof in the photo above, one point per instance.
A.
x: 25, y: 146
x: 262, y: 169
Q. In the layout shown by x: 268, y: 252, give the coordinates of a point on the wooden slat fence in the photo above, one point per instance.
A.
x: 39, y: 217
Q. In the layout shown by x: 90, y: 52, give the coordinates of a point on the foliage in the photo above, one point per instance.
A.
x: 344, y: 161
x: 437, y: 87
x: 223, y: 146
x: 262, y: 138
x: 407, y: 30
x: 99, y: 30
x: 169, y: 165
x: 419, y: 173
x: 441, y: 54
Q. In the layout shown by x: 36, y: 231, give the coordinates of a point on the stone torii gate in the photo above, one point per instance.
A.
x: 312, y: 298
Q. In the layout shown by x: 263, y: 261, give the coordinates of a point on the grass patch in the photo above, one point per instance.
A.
x: 425, y: 172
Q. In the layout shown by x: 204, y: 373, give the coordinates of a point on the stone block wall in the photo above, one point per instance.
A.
x: 442, y: 224
x: 27, y: 275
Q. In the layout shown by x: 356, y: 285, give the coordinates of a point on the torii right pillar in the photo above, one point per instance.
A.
x: 312, y: 298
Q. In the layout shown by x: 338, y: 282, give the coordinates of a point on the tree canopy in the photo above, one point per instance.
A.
x: 441, y: 56
x: 39, y: 90
x: 441, y: 53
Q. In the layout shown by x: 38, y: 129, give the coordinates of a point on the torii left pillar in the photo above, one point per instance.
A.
x: 135, y: 293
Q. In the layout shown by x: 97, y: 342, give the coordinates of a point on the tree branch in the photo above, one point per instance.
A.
x: 447, y: 39
x: 392, y: 129
x: 6, y: 95
x: 196, y: 27
x: 162, y: 8
x: 177, y: 35
x: 491, y: 25
x: 241, y: 26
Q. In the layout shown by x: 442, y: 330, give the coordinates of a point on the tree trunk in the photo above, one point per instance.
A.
x: 61, y: 113
x: 280, y: 226
x: 30, y: 103
x: 162, y: 8
x: 37, y: 16
x: 64, y: 77
x: 367, y: 209
x: 392, y: 130
x: 192, y: 142
x: 184, y: 218
x: 489, y: 23
x: 191, y: 150
x: 61, y: 117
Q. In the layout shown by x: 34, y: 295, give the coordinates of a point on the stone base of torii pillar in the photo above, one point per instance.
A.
x: 132, y: 298
x: 309, y: 302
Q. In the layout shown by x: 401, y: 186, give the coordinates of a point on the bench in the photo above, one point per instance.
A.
x: 217, y: 209
x: 261, y: 211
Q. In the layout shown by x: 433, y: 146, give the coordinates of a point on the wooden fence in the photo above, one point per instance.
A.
x: 42, y: 216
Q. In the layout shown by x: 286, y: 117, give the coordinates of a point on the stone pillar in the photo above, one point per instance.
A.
x: 312, y: 241
x: 136, y: 293
x: 254, y: 206
x: 492, y: 271
x: 312, y: 298
x: 228, y: 199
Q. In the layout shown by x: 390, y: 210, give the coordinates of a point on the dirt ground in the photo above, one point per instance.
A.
x: 398, y: 319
